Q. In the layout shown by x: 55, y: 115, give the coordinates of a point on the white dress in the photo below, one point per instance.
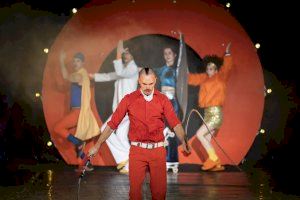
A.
x: 126, y: 79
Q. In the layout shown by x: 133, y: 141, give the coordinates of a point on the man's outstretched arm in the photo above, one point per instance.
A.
x: 102, y: 138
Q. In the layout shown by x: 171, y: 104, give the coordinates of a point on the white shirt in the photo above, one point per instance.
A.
x: 126, y: 80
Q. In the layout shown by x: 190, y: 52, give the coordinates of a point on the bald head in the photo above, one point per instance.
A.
x: 147, y: 80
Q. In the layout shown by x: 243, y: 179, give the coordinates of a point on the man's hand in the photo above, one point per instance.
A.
x: 227, y: 51
x: 183, y: 138
x: 103, y: 136
x: 94, y: 150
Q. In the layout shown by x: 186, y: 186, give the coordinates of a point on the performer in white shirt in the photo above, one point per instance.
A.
x: 126, y: 78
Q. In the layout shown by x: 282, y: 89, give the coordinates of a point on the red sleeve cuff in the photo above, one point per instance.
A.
x: 111, y: 125
x: 175, y: 123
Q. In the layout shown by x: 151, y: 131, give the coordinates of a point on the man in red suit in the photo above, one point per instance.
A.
x: 147, y: 108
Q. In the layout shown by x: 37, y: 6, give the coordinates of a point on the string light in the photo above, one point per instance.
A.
x: 74, y: 10
x: 257, y: 45
x: 49, y: 143
x: 46, y: 50
x: 269, y: 90
x: 262, y: 131
x: 37, y: 94
x: 228, y: 5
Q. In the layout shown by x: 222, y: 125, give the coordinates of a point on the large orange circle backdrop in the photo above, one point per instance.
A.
x: 207, y: 27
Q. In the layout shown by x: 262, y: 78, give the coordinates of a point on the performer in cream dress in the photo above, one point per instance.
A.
x: 126, y: 78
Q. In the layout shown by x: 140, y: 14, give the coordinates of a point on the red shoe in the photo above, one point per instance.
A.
x: 209, y: 164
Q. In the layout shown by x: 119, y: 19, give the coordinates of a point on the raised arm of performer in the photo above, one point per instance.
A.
x: 74, y: 77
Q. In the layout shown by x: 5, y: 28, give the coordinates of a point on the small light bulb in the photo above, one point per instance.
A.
x: 262, y: 130
x: 228, y: 5
x: 269, y: 90
x: 49, y: 143
x: 257, y: 45
x: 74, y: 10
x: 37, y: 94
x: 46, y: 50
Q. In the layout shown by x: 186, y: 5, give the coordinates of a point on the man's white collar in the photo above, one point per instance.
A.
x: 149, y: 97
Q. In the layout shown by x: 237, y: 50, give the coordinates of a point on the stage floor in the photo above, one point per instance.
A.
x: 59, y: 181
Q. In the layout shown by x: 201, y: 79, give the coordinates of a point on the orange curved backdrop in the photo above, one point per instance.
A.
x: 95, y: 31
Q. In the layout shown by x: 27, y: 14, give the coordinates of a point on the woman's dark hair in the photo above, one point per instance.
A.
x: 172, y: 49
x: 218, y: 61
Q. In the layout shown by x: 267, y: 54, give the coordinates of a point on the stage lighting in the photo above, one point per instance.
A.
x: 257, y: 45
x: 46, y: 50
x: 37, y: 94
x: 50, y: 177
x: 269, y: 90
x: 49, y: 143
x: 74, y: 10
x: 262, y: 131
x: 228, y: 5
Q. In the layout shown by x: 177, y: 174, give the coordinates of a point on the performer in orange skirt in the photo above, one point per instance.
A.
x: 81, y: 115
x: 211, y: 98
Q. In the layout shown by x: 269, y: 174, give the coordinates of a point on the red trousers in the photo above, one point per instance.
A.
x: 139, y: 160
x: 67, y: 122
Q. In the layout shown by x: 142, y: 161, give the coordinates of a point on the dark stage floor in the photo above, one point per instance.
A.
x: 59, y: 181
